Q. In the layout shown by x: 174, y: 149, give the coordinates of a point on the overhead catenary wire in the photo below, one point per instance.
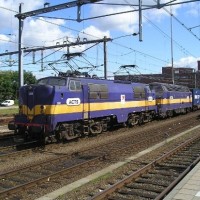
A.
x: 181, y: 23
x: 75, y: 29
x: 147, y: 7
x: 131, y: 49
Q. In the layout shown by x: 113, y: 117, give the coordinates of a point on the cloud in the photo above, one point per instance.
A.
x: 9, y: 8
x: 187, y: 62
x: 41, y: 33
x: 192, y: 10
x: 9, y: 23
x: 4, y: 39
x: 36, y: 31
x: 93, y: 33
x: 124, y: 22
x: 127, y: 22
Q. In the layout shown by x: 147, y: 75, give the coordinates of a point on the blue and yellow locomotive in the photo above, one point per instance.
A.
x: 70, y: 107
x: 195, y: 98
x: 172, y: 99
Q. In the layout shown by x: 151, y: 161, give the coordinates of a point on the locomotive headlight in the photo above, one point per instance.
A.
x: 42, y: 109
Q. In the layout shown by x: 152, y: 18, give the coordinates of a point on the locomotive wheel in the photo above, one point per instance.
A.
x: 131, y: 122
x: 150, y: 118
x: 96, y: 128
x: 78, y: 128
x: 141, y: 120
x: 58, y: 137
x: 67, y: 136
x: 66, y: 132
x: 170, y: 113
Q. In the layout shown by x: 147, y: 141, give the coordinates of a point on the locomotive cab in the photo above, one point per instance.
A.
x: 39, y: 105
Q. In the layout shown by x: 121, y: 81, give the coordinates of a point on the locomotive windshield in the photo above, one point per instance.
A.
x: 158, y: 89
x: 161, y: 87
x: 54, y: 81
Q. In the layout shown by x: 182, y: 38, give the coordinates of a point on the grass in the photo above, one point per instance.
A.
x: 8, y: 111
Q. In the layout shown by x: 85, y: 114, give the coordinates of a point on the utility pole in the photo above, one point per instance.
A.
x: 140, y: 20
x: 195, y: 78
x: 172, y: 53
x: 20, y: 50
x: 158, y: 3
x: 105, y: 57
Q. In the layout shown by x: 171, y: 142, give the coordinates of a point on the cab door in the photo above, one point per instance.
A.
x: 86, y: 103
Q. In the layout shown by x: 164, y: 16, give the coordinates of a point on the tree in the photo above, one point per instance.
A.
x: 9, y: 85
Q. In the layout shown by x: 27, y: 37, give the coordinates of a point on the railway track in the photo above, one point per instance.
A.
x: 6, y: 140
x: 122, y: 146
x: 5, y: 120
x: 66, y: 165
x: 157, y: 178
x: 21, y: 179
x: 8, y: 152
x: 6, y: 136
x: 5, y: 131
x: 40, y: 173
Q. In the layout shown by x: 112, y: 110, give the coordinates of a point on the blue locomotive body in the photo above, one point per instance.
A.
x: 69, y: 107
x: 195, y: 98
x: 58, y: 108
x: 172, y: 99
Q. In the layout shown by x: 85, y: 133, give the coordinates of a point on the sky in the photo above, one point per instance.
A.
x: 148, y: 56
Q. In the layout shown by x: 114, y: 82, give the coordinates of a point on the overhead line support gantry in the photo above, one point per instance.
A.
x: 21, y: 16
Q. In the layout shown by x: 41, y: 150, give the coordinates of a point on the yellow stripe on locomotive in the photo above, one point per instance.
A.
x: 65, y: 109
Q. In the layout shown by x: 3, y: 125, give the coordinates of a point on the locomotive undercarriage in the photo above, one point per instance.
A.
x: 140, y: 118
x: 69, y: 131
x: 65, y: 131
x: 171, y: 113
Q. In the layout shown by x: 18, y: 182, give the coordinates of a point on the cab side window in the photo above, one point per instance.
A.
x: 98, y: 91
x: 74, y: 85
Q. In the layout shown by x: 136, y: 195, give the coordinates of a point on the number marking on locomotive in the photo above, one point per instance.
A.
x: 73, y: 101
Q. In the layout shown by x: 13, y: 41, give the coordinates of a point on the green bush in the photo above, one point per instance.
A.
x: 9, y: 85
